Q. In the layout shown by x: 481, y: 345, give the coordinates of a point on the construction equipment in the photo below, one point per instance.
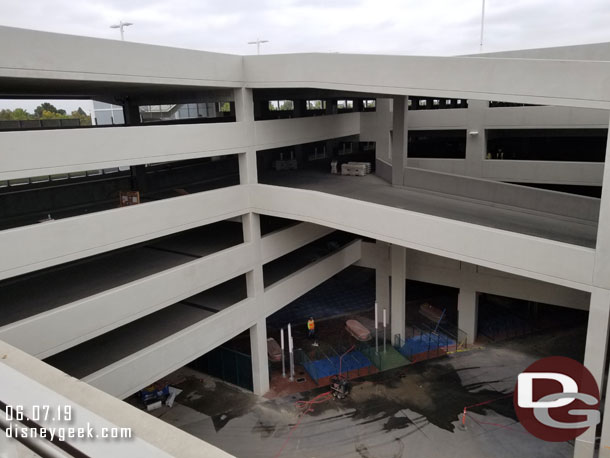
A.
x: 340, y: 387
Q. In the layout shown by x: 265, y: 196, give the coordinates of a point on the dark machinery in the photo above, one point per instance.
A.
x: 340, y: 387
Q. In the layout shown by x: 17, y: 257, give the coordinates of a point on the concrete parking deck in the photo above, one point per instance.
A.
x: 373, y: 189
x: 97, y: 353
x: 28, y: 295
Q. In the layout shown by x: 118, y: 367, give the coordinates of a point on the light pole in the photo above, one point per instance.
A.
x: 121, y: 25
x: 376, y: 330
x: 482, y: 27
x: 258, y: 44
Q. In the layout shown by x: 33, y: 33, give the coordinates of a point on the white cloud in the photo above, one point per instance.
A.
x: 439, y: 27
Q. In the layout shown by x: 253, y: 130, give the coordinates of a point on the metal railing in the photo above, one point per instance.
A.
x: 337, y: 356
x: 424, y: 342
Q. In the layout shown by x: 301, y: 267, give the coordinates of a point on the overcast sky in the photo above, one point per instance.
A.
x: 412, y: 27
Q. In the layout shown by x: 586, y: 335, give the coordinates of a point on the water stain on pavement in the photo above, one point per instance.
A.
x: 221, y: 403
x: 429, y: 392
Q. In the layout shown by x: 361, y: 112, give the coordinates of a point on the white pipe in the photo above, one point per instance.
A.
x: 376, y: 317
x: 482, y: 26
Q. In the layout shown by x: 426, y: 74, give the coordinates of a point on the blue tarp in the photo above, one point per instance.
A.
x: 330, y: 366
x: 425, y: 342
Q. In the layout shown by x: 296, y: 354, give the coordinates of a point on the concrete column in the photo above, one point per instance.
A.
x: 260, y: 365
x: 260, y: 107
x: 468, y: 313
x: 244, y: 113
x: 595, y: 361
x: 468, y: 301
x: 252, y: 234
x: 476, y: 145
x: 399, y: 139
x: 138, y: 178
x: 601, y: 273
x: 382, y: 278
x: 256, y: 289
x: 300, y: 108
x: 131, y: 113
x: 331, y: 106
x: 599, y: 310
x: 381, y: 129
x: 398, y: 263
x: 604, y: 446
x: 244, y: 104
x: 248, y: 172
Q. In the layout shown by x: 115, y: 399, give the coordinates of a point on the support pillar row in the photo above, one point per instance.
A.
x: 256, y: 289
x: 595, y: 361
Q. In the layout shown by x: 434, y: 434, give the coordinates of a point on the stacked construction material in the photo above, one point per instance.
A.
x: 288, y: 164
x: 356, y: 168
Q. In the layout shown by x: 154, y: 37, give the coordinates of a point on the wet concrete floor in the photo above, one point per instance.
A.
x: 407, y: 412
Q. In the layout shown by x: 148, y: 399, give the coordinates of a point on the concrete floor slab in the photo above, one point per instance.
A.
x: 202, y: 241
x: 409, y: 412
x: 28, y: 295
x: 373, y: 189
x: 97, y: 353
x: 291, y: 262
x: 31, y: 294
x: 222, y: 296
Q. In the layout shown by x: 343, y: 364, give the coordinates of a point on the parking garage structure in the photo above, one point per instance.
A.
x: 151, y: 289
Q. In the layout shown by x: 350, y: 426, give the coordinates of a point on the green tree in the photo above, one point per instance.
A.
x: 45, y: 111
x: 21, y: 114
x: 287, y: 105
x: 85, y: 119
x: 6, y: 114
x: 46, y: 106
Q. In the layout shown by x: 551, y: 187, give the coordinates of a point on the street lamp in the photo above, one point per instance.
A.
x: 482, y: 26
x: 258, y: 44
x: 120, y: 25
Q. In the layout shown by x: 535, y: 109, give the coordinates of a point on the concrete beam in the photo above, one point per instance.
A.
x: 48, y: 152
x: 27, y: 249
x: 112, y: 61
x: 28, y: 381
x: 140, y: 369
x: 519, y: 254
x: 549, y: 82
x: 287, y: 132
x: 283, y: 241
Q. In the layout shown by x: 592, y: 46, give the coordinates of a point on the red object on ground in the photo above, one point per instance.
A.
x: 357, y: 330
x: 305, y: 407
